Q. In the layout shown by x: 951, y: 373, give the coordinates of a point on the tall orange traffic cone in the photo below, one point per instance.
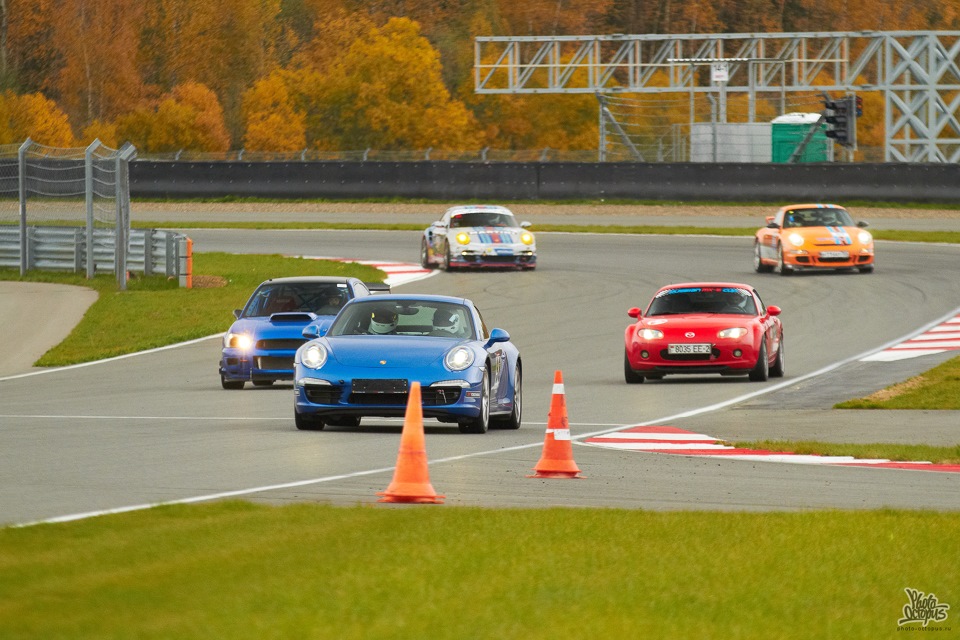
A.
x: 557, y: 459
x: 411, y: 481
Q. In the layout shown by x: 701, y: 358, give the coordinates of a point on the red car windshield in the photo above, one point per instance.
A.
x: 703, y: 300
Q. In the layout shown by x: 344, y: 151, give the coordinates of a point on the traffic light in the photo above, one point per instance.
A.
x: 841, y: 118
x: 859, y: 106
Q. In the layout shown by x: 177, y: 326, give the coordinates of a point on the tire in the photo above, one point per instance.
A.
x: 307, y: 423
x: 631, y: 376
x: 345, y: 421
x: 761, y: 371
x: 782, y: 266
x: 263, y: 383
x: 425, y: 255
x: 481, y: 423
x: 513, y: 420
x: 777, y: 370
x: 445, y: 260
x: 758, y: 264
x: 230, y: 384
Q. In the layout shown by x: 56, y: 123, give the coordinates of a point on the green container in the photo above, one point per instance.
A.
x: 789, y: 130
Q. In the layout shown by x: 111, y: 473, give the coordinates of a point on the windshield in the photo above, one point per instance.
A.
x: 822, y: 217
x: 404, y: 317
x: 702, y: 300
x: 321, y: 298
x: 482, y: 219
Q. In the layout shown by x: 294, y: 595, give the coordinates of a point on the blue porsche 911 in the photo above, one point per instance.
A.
x: 363, y: 362
x: 260, y: 345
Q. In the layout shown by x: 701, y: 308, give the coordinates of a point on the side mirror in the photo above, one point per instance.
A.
x: 634, y: 312
x: 525, y: 225
x: 317, y: 330
x: 772, y: 225
x: 863, y: 224
x: 773, y: 310
x: 439, y: 224
x: 497, y: 335
x: 236, y: 313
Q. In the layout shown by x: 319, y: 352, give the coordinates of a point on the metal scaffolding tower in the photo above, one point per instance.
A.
x: 917, y: 72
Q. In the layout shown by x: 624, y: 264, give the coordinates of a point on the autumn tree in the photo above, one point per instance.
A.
x: 189, y: 117
x: 33, y: 116
x: 386, y: 92
x: 272, y: 121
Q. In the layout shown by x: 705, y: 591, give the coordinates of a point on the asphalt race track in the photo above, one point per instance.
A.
x: 157, y: 427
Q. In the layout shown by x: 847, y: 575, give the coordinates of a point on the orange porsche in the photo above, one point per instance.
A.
x: 812, y: 236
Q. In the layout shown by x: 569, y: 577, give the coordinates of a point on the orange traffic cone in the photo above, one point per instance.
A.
x: 557, y: 459
x: 411, y: 481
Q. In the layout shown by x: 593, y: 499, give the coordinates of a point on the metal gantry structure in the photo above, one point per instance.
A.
x: 917, y: 73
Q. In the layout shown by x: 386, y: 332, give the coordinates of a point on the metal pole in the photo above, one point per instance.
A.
x: 22, y: 185
x: 88, y: 190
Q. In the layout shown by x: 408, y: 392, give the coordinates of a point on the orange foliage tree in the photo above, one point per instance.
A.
x: 33, y: 116
x: 189, y: 117
x: 272, y: 121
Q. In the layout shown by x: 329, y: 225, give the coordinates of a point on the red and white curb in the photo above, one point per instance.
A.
x: 943, y: 337
x: 687, y: 443
x: 397, y: 272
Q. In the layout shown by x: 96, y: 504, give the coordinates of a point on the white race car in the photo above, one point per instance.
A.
x: 478, y: 236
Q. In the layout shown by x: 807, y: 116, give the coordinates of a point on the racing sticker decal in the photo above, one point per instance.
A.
x: 943, y: 337
x: 671, y: 440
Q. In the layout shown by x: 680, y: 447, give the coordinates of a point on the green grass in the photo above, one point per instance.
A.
x: 154, y: 312
x: 237, y: 570
x: 938, y: 388
x: 889, y: 451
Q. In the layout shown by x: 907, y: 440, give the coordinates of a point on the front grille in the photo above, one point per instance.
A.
x: 288, y: 344
x: 378, y: 399
x: 833, y: 260
x: 435, y: 396
x: 323, y: 394
x: 494, y: 259
x: 689, y: 357
x: 273, y: 363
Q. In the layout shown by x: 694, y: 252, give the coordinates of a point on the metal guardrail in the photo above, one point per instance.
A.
x: 150, y: 251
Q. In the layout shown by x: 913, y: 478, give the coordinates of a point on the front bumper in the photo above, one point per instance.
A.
x: 236, y: 364
x: 449, y: 398
x: 652, y: 358
x: 499, y: 256
x: 817, y: 260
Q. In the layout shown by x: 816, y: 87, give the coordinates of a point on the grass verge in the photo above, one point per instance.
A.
x: 237, y: 570
x: 938, y: 388
x: 154, y: 312
x: 889, y: 451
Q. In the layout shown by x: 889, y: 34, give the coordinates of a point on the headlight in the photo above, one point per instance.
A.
x: 526, y: 238
x: 314, y: 356
x: 463, y: 238
x: 735, y: 332
x: 649, y: 334
x: 458, y: 358
x: 796, y: 239
x: 237, y: 341
x: 864, y: 237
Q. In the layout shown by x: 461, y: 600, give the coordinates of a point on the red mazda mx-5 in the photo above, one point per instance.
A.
x: 704, y: 327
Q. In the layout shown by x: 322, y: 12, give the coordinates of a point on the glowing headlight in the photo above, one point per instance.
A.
x: 526, y: 238
x: 458, y: 358
x: 237, y: 341
x: 463, y: 238
x: 314, y: 356
x: 796, y: 239
x: 735, y: 332
x: 649, y: 334
x: 864, y: 237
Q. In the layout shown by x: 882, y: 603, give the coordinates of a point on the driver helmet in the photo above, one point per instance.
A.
x: 334, y: 298
x: 383, y: 321
x: 448, y: 322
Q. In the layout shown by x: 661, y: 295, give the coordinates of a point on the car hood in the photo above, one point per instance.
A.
x: 279, y: 325
x: 828, y: 236
x: 395, y: 352
x: 491, y: 235
x: 697, y: 323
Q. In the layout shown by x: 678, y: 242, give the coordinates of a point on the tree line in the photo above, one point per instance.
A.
x: 287, y: 75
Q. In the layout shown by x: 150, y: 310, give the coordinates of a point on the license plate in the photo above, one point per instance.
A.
x: 376, y: 385
x: 689, y: 348
x: 834, y: 254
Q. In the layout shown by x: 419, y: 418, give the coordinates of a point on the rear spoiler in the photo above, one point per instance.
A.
x: 378, y: 287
